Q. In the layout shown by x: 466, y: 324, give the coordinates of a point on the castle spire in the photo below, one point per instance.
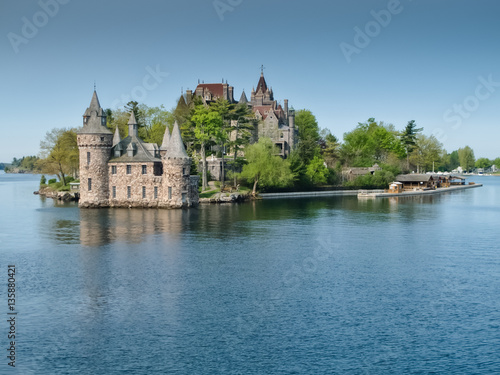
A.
x: 243, y: 98
x: 132, y: 125
x: 166, y: 140
x: 94, y: 118
x: 116, y: 138
x: 176, y: 146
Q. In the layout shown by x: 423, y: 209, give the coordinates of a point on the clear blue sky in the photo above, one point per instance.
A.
x: 436, y: 62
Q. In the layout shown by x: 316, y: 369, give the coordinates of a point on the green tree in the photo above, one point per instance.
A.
x: 427, y: 153
x: 330, y: 148
x: 466, y: 157
x: 155, y: 119
x: 59, y: 151
x: 496, y: 162
x: 370, y: 143
x: 207, y: 124
x: 454, y: 161
x: 483, y: 163
x: 308, y: 145
x: 409, y: 139
x: 317, y: 172
x: 264, y: 167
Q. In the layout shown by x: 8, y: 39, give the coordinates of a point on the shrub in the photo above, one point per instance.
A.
x: 52, y: 181
x: 43, y: 180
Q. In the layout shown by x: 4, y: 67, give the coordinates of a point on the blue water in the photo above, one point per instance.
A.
x: 304, y: 286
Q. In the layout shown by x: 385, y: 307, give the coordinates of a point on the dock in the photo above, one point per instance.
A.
x: 371, y: 194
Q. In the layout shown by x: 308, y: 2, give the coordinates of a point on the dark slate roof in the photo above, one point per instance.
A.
x: 176, y: 146
x: 143, y: 152
x: 414, y: 177
x: 94, y: 113
x: 243, y: 98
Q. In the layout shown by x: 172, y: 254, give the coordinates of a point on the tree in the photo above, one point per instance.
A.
x: 207, y: 123
x: 309, y: 137
x: 317, y: 171
x: 243, y: 122
x: 409, y: 139
x: 330, y: 147
x: 483, y: 163
x: 466, y: 157
x: 454, y: 161
x: 427, y: 153
x: 156, y: 119
x: 59, y: 151
x: 370, y: 143
x: 496, y: 162
x: 265, y: 167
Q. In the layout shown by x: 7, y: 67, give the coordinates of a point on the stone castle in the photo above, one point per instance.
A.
x: 274, y: 121
x: 128, y: 172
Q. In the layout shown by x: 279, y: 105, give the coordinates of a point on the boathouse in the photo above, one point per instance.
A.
x: 415, y: 181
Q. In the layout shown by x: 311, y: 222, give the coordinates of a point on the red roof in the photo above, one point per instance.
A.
x: 262, y: 84
x: 215, y: 88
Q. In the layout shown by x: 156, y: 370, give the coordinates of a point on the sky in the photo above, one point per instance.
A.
x: 433, y: 61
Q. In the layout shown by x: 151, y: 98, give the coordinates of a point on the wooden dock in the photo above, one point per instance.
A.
x: 370, y: 194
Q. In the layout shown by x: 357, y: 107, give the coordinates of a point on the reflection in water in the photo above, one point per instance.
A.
x: 104, y: 226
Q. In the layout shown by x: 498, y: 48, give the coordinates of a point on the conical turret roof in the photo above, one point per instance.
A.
x: 243, y: 98
x: 94, y: 117
x: 116, y: 138
x: 176, y: 146
x: 132, y: 120
x: 166, y: 140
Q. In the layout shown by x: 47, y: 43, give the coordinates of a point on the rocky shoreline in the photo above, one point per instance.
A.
x: 226, y: 198
x: 64, y: 196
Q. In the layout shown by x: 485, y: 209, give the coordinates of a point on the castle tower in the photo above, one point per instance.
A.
x: 291, y: 124
x: 177, y: 187
x: 94, y: 143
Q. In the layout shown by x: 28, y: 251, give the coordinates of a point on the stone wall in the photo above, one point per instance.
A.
x: 99, y: 147
x: 176, y: 178
x: 136, y: 180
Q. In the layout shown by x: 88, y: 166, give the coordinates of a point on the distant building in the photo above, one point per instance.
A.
x: 351, y: 174
x: 128, y: 172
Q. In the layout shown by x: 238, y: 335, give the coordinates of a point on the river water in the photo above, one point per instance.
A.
x: 301, y: 286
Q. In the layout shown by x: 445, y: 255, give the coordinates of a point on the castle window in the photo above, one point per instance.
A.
x: 88, y: 158
x: 170, y: 192
x: 157, y: 169
x: 143, y: 192
x: 183, y: 171
x: 129, y: 169
x: 102, y: 139
x: 90, y: 184
x: 114, y: 191
x: 129, y: 192
x: 144, y: 169
x: 113, y: 169
x: 156, y: 192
